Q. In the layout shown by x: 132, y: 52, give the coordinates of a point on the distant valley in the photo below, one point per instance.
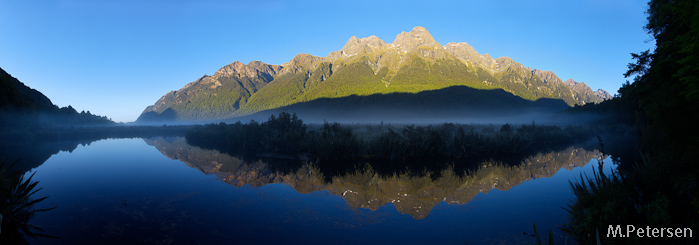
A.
x: 413, y: 76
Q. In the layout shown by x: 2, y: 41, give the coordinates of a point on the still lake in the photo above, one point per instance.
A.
x: 164, y: 191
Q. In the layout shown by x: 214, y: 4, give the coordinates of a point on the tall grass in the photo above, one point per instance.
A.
x: 643, y: 196
x: 600, y: 202
x: 17, y: 206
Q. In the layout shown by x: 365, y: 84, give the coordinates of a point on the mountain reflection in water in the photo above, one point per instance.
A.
x: 411, y: 194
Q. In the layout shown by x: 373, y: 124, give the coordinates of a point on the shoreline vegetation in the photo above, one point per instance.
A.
x: 658, y: 187
x: 17, y: 207
x: 389, y: 148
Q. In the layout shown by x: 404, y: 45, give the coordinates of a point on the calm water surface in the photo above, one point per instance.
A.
x: 162, y: 191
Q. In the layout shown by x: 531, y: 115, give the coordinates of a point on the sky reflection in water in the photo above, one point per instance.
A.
x: 127, y: 192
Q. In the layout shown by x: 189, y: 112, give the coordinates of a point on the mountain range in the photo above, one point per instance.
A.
x: 369, y: 68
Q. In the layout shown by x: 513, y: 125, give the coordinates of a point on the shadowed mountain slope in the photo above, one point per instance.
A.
x: 455, y: 103
x: 14, y: 95
x: 23, y: 108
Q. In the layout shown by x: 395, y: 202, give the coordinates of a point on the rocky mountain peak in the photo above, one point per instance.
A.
x: 300, y: 62
x: 573, y: 83
x: 373, y: 41
x: 464, y: 52
x: 461, y: 50
x: 504, y: 62
x: 304, y: 60
x: 547, y: 76
x: 252, y: 69
x: 603, y: 94
x: 256, y: 64
x: 417, y: 37
x: 352, y: 44
x: 355, y: 45
x: 585, y: 91
x: 235, y: 67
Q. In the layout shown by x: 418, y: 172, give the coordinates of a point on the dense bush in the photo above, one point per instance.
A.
x: 334, y: 143
x: 389, y: 146
x: 284, y: 134
x: 409, y: 148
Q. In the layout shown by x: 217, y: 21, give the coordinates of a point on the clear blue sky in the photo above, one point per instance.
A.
x: 114, y: 58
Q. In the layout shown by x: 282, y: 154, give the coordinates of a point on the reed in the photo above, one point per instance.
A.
x: 17, y: 206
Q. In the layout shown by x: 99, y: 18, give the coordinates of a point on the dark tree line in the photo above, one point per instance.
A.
x: 411, y: 149
x: 660, y: 190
